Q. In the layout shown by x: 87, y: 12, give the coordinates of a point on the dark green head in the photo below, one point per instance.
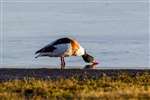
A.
x: 88, y: 58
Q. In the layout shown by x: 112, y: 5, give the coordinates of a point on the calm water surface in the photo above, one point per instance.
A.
x: 110, y: 53
x: 115, y: 32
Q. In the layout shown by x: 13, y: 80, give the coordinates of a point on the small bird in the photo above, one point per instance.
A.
x: 65, y: 47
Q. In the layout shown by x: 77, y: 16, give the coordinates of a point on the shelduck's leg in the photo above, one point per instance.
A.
x: 62, y: 62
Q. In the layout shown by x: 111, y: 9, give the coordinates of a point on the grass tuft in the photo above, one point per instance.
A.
x: 122, y: 86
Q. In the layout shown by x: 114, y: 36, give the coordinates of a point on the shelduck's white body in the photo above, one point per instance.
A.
x: 63, y: 47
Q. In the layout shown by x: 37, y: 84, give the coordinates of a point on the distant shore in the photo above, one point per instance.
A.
x: 45, y: 73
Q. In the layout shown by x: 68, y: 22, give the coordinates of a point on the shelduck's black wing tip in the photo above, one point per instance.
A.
x: 37, y: 56
x: 37, y: 51
x: 46, y: 49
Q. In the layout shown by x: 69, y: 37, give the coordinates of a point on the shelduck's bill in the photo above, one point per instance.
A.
x: 95, y: 62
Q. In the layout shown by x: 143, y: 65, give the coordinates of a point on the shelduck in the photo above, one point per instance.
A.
x: 65, y: 47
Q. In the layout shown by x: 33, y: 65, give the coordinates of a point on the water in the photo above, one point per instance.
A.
x: 116, y: 33
x: 110, y: 53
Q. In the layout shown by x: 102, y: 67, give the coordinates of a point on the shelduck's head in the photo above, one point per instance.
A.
x: 89, y: 59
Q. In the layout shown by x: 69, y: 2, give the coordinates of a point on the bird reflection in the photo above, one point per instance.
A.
x: 90, y: 66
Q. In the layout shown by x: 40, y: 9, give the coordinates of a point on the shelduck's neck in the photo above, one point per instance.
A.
x: 81, y: 51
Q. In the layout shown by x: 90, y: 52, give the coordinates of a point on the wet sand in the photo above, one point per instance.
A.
x: 45, y: 73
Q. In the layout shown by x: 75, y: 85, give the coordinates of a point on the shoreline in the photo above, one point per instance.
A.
x: 67, y: 67
x: 47, y: 73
